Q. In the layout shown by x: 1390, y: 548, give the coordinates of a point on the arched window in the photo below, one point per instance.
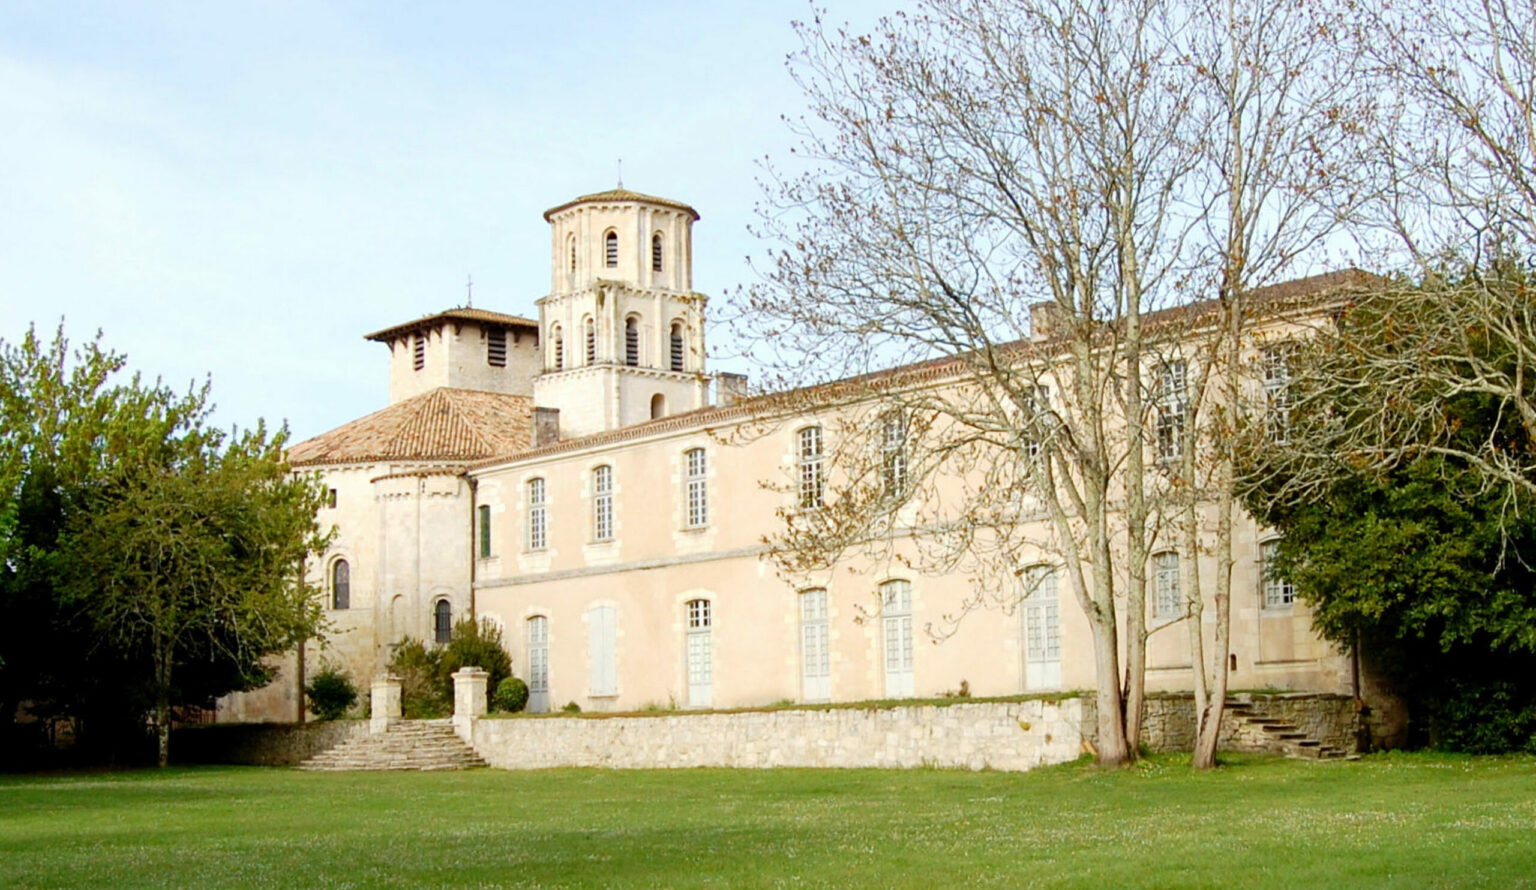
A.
x: 559, y: 339
x: 611, y: 250
x: 341, y: 585
x: 700, y: 655
x: 538, y: 515
x: 896, y: 618
x: 1041, y: 630
x: 677, y: 346
x: 632, y: 341
x: 656, y: 252
x: 808, y: 459
x: 590, y: 329
x: 538, y: 664
x: 570, y: 241
x: 815, y: 658
x: 658, y: 406
x: 697, y: 490
x: 602, y: 503
x: 442, y: 622
x: 1166, y: 601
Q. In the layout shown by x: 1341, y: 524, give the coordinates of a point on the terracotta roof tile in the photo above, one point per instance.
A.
x: 460, y: 314
x: 620, y: 195
x: 444, y: 424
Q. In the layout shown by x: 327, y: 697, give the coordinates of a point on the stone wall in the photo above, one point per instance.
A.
x: 1168, y: 721
x: 261, y: 744
x: 981, y: 735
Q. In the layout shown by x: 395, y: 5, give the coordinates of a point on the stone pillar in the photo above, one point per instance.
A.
x: 468, y: 700
x: 384, y: 702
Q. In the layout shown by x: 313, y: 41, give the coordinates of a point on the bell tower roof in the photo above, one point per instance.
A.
x: 618, y: 196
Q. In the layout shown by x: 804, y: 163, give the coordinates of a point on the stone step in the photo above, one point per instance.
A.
x: 408, y: 745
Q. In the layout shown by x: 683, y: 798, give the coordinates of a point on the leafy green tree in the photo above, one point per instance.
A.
x: 475, y: 644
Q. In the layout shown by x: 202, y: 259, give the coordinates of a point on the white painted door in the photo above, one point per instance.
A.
x: 538, y: 664
x: 896, y: 603
x: 815, y: 660
x: 700, y: 656
x: 1042, y: 639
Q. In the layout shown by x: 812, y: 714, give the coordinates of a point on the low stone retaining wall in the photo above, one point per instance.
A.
x: 1168, y: 720
x: 261, y: 744
x: 982, y: 735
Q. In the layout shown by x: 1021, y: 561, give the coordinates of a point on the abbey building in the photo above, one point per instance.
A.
x: 581, y: 479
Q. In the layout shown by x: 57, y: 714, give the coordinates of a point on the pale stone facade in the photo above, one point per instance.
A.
x: 624, y: 559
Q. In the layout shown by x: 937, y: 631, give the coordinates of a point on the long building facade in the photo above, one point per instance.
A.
x: 582, y: 481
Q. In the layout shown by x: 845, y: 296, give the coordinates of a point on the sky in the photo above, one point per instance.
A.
x: 243, y: 190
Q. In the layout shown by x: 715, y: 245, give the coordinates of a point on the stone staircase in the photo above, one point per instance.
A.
x: 407, y: 745
x: 1257, y: 732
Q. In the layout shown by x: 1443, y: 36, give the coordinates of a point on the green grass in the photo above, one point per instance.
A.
x: 1386, y: 821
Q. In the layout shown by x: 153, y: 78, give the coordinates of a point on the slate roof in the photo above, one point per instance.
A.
x: 444, y: 424
x: 485, y: 316
x: 619, y: 195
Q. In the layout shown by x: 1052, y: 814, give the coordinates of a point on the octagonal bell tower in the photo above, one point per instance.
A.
x: 623, y: 331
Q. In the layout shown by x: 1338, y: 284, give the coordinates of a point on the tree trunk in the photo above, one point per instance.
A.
x: 162, y: 727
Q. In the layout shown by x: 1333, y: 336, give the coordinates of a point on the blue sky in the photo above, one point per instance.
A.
x: 245, y: 189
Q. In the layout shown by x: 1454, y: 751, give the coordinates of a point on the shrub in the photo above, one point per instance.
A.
x: 571, y: 708
x: 511, y: 695
x: 330, y: 693
x: 422, y: 692
x: 475, y: 644
x: 1490, y: 717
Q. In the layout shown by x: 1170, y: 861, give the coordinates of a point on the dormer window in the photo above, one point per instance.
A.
x: 611, y: 250
x: 419, y: 352
x: 656, y: 252
x: 496, y: 347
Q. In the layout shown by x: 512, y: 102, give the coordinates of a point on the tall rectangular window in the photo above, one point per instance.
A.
x: 602, y: 503
x: 1042, y: 630
x: 697, y: 488
x: 701, y: 670
x: 815, y: 655
x: 538, y: 515
x: 893, y: 453
x: 419, y: 352
x: 809, y: 457
x: 896, y: 618
x: 1172, y: 408
x: 632, y: 342
x: 602, y: 655
x: 1167, y: 601
x: 677, y: 346
x: 1275, y: 362
x: 1278, y: 592
x: 485, y: 531
x: 1033, y: 423
x: 538, y: 664
x: 496, y: 347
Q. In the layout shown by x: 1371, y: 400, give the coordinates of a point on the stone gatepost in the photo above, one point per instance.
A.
x: 384, y: 702
x: 468, y: 700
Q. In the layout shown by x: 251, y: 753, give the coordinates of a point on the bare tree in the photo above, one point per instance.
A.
x: 973, y: 165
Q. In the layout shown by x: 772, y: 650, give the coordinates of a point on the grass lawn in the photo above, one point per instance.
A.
x: 1386, y: 821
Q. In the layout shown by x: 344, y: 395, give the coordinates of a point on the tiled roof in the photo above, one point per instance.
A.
x: 451, y: 425
x: 461, y: 314
x: 1272, y: 298
x: 619, y: 195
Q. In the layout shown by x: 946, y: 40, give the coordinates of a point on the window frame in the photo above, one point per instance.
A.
x: 610, y: 249
x: 632, y: 341
x: 894, y: 470
x: 809, y: 463
x: 442, y: 621
x: 1275, y: 594
x: 496, y: 355
x: 1172, y: 421
x: 695, y: 488
x: 537, y: 492
x: 602, y: 503
x: 1168, y: 600
x: 340, y: 576
x: 483, y: 519
x: 657, y: 252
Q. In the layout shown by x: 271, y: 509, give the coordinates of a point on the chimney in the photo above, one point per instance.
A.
x: 729, y: 388
x: 1044, y: 321
x: 546, y: 426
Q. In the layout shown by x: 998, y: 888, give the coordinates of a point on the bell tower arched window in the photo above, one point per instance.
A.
x: 656, y: 252
x: 559, y: 346
x: 611, y: 250
x: 570, y: 241
x: 591, y: 335
x: 677, y: 346
x: 632, y: 341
